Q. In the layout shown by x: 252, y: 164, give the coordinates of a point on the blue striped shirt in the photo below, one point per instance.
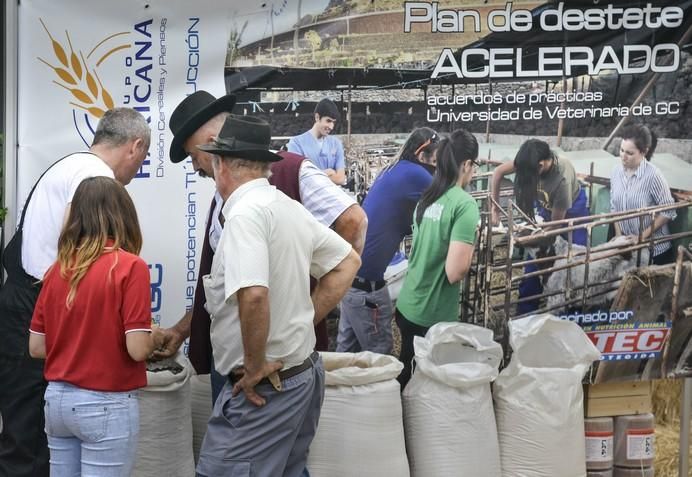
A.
x: 646, y: 187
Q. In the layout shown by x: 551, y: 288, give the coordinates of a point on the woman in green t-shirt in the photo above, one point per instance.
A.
x: 444, y: 232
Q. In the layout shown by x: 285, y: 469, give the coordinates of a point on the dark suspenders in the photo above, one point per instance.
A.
x: 12, y: 256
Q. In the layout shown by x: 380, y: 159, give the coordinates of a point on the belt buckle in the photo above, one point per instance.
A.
x: 369, y: 285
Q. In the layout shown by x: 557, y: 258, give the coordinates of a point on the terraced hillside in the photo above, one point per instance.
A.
x: 361, y: 39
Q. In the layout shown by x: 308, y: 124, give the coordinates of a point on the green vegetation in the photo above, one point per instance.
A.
x: 234, y: 40
x: 314, y: 40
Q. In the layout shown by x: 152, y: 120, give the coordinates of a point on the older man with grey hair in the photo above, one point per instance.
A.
x: 197, y: 120
x: 258, y: 295
x: 120, y: 146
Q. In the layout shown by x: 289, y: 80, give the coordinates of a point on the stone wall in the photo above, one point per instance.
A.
x: 400, y: 111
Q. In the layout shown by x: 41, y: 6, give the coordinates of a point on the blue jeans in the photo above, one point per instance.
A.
x: 532, y: 285
x: 365, y: 323
x: 580, y: 208
x: 91, y: 433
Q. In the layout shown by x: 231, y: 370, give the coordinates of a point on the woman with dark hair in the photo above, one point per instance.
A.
x: 366, y: 309
x: 636, y: 184
x: 543, y: 182
x: 92, y: 324
x: 546, y: 184
x: 444, y: 233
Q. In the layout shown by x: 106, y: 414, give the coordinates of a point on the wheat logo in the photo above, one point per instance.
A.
x: 77, y: 74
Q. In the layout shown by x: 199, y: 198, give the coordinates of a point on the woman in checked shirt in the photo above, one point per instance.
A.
x: 636, y: 183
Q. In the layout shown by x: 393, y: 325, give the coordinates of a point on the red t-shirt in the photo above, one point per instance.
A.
x: 85, y: 344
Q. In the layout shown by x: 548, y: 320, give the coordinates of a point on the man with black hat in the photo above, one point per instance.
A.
x: 197, y: 120
x: 258, y: 294
x: 325, y: 151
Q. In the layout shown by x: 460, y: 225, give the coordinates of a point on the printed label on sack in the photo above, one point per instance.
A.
x: 640, y: 444
x: 599, y: 446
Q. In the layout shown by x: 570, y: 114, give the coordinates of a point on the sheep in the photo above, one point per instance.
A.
x: 600, y: 270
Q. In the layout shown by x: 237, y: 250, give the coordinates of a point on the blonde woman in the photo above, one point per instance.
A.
x: 92, y: 324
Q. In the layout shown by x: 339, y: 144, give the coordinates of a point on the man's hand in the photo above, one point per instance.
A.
x: 253, y: 308
x: 157, y: 337
x: 172, y: 338
x: 250, y: 379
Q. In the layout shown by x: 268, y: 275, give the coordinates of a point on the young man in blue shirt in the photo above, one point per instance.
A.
x: 325, y: 151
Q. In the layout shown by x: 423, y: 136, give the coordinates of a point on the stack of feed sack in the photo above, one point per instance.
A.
x: 165, y: 420
x: 361, y: 432
x: 539, y: 399
x: 448, y: 407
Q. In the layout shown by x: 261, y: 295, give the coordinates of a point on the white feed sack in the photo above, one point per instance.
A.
x: 361, y: 432
x: 200, y: 385
x: 394, y: 276
x: 538, y: 399
x: 165, y: 423
x: 448, y: 407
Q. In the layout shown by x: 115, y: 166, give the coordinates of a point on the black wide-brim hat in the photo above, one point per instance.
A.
x: 191, y: 114
x: 243, y: 137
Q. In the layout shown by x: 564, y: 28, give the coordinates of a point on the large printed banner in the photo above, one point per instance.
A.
x: 78, y: 59
x: 563, y: 72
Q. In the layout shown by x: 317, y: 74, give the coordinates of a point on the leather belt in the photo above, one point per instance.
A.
x: 237, y: 374
x: 367, y: 285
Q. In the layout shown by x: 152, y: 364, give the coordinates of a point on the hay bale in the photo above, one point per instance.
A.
x: 665, y: 398
x: 667, y: 449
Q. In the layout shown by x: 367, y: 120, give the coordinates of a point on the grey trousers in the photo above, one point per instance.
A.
x: 365, y: 323
x: 243, y: 440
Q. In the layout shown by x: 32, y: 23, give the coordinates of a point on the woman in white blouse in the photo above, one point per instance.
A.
x: 636, y: 183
